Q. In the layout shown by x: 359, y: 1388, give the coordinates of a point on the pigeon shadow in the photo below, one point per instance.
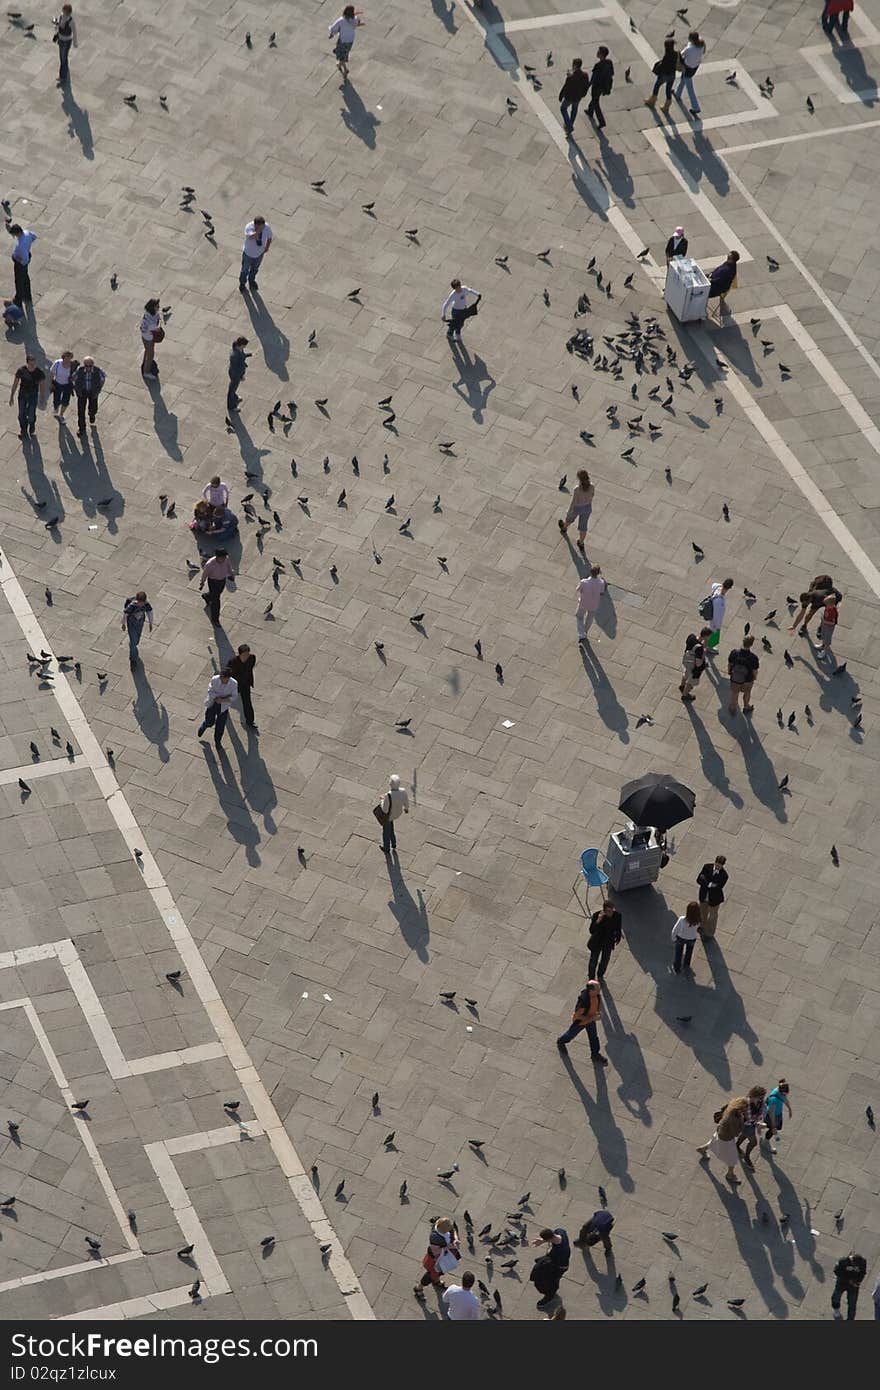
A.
x: 275, y: 343
x: 152, y: 718
x: 610, y: 1140
x: 412, y: 916
x: 473, y: 372
x: 239, y: 822
x: 164, y: 421
x: 78, y: 124
x: 608, y: 707
x: 854, y: 73
x: 446, y: 14
x: 357, y: 118
x: 710, y: 759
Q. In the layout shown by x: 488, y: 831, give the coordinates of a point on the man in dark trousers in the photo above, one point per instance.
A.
x: 605, y: 933
x: 849, y: 1273
x: 572, y: 93
x: 548, y: 1270
x: 87, y: 382
x: 601, y: 82
x: 238, y: 360
x: 586, y: 1012
x: 711, y: 880
x: 21, y: 259
x: 242, y: 668
x: 597, y: 1228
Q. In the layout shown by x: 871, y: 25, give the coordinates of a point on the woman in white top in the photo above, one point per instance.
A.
x: 684, y: 934
x: 216, y: 493
x: 61, y: 376
x: 692, y: 56
x: 150, y: 327
x: 581, y: 507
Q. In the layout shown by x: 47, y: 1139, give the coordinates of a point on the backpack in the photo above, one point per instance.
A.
x: 706, y: 609
x: 740, y: 670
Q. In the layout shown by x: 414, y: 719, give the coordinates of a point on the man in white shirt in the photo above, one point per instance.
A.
x: 222, y: 695
x: 461, y: 1304
x: 21, y: 259
x: 345, y: 28
x: 589, y: 592
x: 394, y: 803
x: 257, y: 240
x: 457, y: 303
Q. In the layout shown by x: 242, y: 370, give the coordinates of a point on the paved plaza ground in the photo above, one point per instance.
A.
x: 312, y: 967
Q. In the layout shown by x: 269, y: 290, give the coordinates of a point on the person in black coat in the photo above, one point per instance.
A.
x: 572, y: 93
x: 711, y: 879
x: 87, y: 382
x: 605, y: 934
x: 242, y: 668
x: 601, y: 82
x: 664, y: 71
x: 677, y: 245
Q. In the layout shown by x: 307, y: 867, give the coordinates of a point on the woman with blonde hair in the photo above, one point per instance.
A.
x: 581, y: 507
x: 441, y: 1257
x: 729, y: 1124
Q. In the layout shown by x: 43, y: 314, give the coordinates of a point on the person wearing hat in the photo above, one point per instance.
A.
x: 394, y: 803
x: 677, y: 245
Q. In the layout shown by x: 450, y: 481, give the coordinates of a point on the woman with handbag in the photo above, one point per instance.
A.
x: 441, y: 1257
x: 152, y: 333
x: 730, y: 1122
x: 394, y: 803
x: 664, y: 71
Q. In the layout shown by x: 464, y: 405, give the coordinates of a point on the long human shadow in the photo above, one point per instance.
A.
x: 239, y: 822
x: 750, y: 1241
x: 835, y: 692
x: 275, y: 343
x: 606, y: 615
x: 608, y: 707
x: 257, y: 787
x: 31, y: 340
x: 357, y: 118
x: 84, y: 469
x: 78, y: 124
x: 734, y: 346
x: 446, y: 14
x: 635, y: 1089
x: 711, y: 760
x: 412, y: 916
x: 33, y: 458
x: 164, y: 420
x: 251, y: 456
x: 730, y: 1014
x: 610, y: 1139
x: 500, y: 46
x: 587, y: 182
x: 617, y: 173
x: 151, y: 716
x: 798, y: 1226
x: 763, y: 777
x: 473, y: 372
x: 853, y: 71
x: 611, y: 1299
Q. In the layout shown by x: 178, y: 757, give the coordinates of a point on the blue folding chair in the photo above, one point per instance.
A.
x: 591, y: 873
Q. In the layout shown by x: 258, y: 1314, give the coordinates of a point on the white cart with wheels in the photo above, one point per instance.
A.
x: 687, y: 289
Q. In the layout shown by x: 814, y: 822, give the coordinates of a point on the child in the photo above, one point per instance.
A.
x: 12, y: 313
x: 773, y: 1108
x: 827, y: 626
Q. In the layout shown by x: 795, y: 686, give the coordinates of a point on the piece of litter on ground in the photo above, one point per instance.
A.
x: 468, y: 1028
x: 814, y: 1233
x: 305, y: 994
x: 458, y: 873
x: 93, y: 528
x: 507, y: 723
x: 327, y: 997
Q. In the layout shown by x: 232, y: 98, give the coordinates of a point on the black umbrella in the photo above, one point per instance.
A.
x: 657, y: 799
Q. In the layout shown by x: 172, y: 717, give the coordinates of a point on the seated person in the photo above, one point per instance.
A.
x: 222, y: 524
x: 203, y: 514
x: 721, y: 279
x: 12, y: 313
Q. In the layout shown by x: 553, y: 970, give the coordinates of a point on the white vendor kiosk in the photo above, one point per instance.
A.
x: 633, y: 857
x: 687, y: 289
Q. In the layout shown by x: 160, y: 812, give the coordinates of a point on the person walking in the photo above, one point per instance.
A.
x: 581, y: 508
x: 242, y: 668
x: 393, y: 805
x: 729, y: 1121
x: 135, y: 612
x: 742, y: 669
x: 222, y: 695
x: 664, y: 71
x: 677, y: 245
x: 462, y: 1304
x: 598, y: 1228
x: 345, y: 28
x: 848, y: 1273
x: 753, y: 1118
x: 712, y: 880
x: 777, y: 1102
x: 21, y: 260
x: 29, y: 382
x: 459, y: 309
x: 152, y: 333
x: 836, y: 15
x: 605, y: 933
x: 691, y: 57
x: 601, y: 83
x: 548, y: 1270
x: 572, y: 93
x: 693, y: 663
x: 684, y: 935
x: 589, y: 593
x: 585, y: 1016
x: 238, y: 360
x: 713, y: 610
x: 65, y: 37
x: 827, y: 628
x: 257, y: 243
x: 87, y: 383
x: 812, y: 600
x: 61, y: 376
x: 443, y: 1253
x: 215, y: 572
x: 216, y: 492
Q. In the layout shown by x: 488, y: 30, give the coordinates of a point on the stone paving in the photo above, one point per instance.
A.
x: 312, y: 968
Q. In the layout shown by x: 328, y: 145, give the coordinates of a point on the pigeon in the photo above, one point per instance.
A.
x: 390, y: 503
x: 267, y: 611
x: 542, y: 255
x: 838, y: 1216
x: 353, y: 294
x: 231, y: 1104
x: 669, y: 1235
x: 340, y: 1188
x: 499, y: 670
x: 185, y: 1251
x: 835, y: 857
x: 375, y: 1099
x: 444, y: 1177
x: 367, y: 207
x: 389, y: 1138
x: 80, y: 1105
x: 194, y: 1291
x: 478, y: 648
x: 645, y: 251
x: 784, y: 783
x: 561, y: 1176
x: 447, y: 994
x: 93, y: 1244
x: 627, y: 76
x: 725, y: 511
x: 731, y: 78
x: 768, y: 618
x: 501, y: 260
x: 12, y: 1126
x: 411, y: 232
x: 521, y: 1202
x: 340, y: 501
x: 697, y: 549
x: 313, y: 339
x: 324, y: 1249
x: 869, y: 1115
x: 510, y: 1264
x: 792, y: 719
x: 406, y: 525
x: 772, y: 263
x: 68, y: 748
x: 808, y: 712
x: 402, y: 1192
x: 735, y: 1302
x: 172, y: 976
x: 497, y: 1297
x: 698, y: 1293
x: 628, y: 453
x: 638, y: 1286
x: 476, y: 1144
x: 676, y: 1300
x: 35, y: 750
x: 749, y: 595
x: 318, y: 184
x: 447, y: 445
x: 131, y: 99
x: 8, y: 1203
x: 248, y: 41
x: 810, y: 105
x: 270, y: 1240
x: 416, y: 619
x: 333, y: 571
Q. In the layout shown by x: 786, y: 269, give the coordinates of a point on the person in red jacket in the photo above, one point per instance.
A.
x: 836, y: 16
